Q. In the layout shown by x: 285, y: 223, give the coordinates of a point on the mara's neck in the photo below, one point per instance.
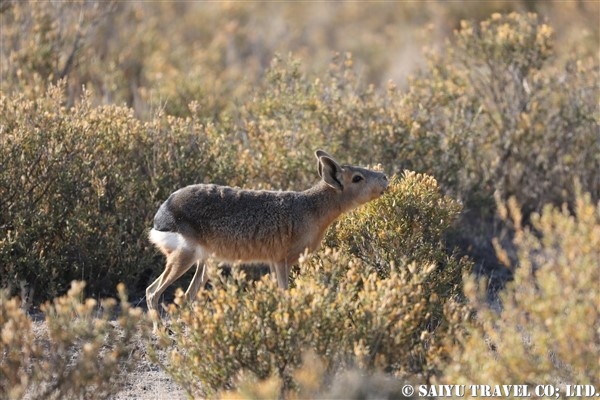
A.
x: 328, y: 203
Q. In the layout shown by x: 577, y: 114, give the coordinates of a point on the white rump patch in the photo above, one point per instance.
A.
x: 173, y: 241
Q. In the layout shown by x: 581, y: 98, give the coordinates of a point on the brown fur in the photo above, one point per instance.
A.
x: 231, y: 224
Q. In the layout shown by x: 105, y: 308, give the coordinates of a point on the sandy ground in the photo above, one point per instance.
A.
x: 149, y: 381
x: 152, y: 383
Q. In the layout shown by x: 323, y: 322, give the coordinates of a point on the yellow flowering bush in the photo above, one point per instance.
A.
x: 547, y: 330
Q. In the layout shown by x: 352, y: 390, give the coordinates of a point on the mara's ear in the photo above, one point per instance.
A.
x: 322, y: 153
x: 329, y: 170
x: 319, y: 154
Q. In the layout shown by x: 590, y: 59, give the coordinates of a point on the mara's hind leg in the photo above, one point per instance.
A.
x: 198, y: 281
x: 178, y: 262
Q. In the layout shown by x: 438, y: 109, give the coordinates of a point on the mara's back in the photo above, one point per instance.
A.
x: 212, y: 209
x: 240, y: 224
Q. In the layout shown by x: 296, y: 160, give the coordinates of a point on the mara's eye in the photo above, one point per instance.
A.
x: 357, y: 178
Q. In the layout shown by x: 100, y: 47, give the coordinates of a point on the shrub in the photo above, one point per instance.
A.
x: 81, y: 351
x: 408, y: 224
x: 338, y: 306
x: 133, y: 53
x: 505, y: 107
x: 334, y: 310
x: 90, y: 177
x: 312, y: 383
x: 79, y: 186
x: 494, y: 107
x: 498, y: 112
x: 546, y: 331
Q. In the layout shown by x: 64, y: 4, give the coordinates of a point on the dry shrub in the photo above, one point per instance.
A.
x: 406, y: 225
x: 500, y: 112
x: 548, y: 328
x: 82, y: 351
x: 17, y: 347
x: 502, y: 115
x: 135, y: 52
x: 333, y: 309
x: 291, y: 113
x: 312, y: 383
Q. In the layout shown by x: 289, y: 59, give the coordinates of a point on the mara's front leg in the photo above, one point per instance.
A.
x: 281, y: 273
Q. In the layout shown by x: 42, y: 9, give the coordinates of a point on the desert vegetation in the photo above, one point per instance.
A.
x: 479, y: 265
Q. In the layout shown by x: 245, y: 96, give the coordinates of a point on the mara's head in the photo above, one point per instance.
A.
x: 357, y: 185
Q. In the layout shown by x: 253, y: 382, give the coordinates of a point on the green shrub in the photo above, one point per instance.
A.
x: 79, y: 187
x: 546, y: 331
x: 82, y: 350
x: 338, y: 306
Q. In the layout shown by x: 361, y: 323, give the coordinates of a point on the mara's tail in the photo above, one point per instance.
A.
x: 170, y: 241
